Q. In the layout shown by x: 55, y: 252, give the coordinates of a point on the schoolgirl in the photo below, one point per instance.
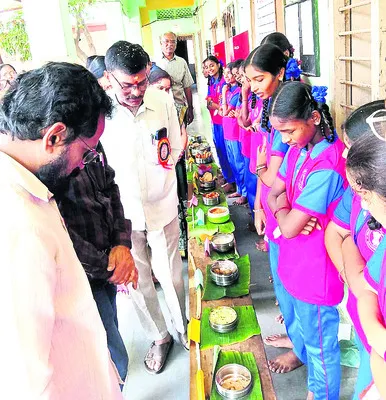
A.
x: 215, y: 83
x: 309, y: 185
x: 230, y: 95
x: 366, y: 166
x: 351, y: 239
x: 243, y: 118
x: 265, y: 69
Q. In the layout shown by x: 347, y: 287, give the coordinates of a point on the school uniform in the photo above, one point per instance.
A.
x: 232, y: 144
x: 350, y: 215
x: 315, y: 182
x: 214, y: 93
x: 250, y: 179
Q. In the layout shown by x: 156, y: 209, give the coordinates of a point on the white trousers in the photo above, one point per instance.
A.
x: 158, y: 251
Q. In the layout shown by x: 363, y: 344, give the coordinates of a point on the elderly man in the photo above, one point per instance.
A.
x: 52, y: 342
x: 142, y: 142
x: 178, y: 69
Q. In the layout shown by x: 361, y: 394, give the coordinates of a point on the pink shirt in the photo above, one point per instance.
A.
x: 52, y: 342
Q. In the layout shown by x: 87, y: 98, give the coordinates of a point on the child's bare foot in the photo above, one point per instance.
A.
x: 276, y: 302
x: 239, y: 202
x: 280, y: 319
x: 234, y: 195
x: 286, y: 362
x: 282, y: 341
x: 261, y: 245
x: 270, y: 279
x: 228, y: 187
x: 310, y: 396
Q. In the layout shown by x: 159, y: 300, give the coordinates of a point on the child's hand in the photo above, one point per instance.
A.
x: 260, y: 221
x: 262, y: 153
x: 231, y: 114
x: 311, y: 225
x: 237, y: 112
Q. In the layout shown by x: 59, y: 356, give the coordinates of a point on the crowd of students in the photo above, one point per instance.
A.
x: 322, y: 212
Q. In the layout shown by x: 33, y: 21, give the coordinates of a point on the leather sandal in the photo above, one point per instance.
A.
x: 159, y: 353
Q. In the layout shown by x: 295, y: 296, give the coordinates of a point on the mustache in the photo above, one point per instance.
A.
x: 134, y: 97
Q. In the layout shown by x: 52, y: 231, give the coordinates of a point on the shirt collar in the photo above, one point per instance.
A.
x: 149, y: 102
x: 24, y: 178
x: 172, y: 59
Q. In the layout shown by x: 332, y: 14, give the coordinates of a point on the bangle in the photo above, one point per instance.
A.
x: 258, y: 210
x: 280, y: 209
x: 259, y: 168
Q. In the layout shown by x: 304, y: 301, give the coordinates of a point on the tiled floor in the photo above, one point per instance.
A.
x: 173, y: 382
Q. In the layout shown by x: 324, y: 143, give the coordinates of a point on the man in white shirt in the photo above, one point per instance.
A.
x: 142, y: 143
x: 52, y: 343
x: 182, y: 79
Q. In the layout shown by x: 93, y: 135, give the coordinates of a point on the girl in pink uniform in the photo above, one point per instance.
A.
x: 351, y: 239
x: 265, y: 69
x: 230, y: 96
x: 309, y: 185
x: 366, y: 166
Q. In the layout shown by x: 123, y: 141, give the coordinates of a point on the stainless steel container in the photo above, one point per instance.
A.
x: 226, y: 278
x: 199, y: 149
x: 206, y: 160
x: 211, y: 201
x: 223, y: 242
x: 207, y: 186
x: 237, y: 374
x: 224, y: 327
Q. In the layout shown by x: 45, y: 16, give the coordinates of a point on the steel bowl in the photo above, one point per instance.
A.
x: 227, y: 375
x: 224, y: 327
x: 206, y: 160
x: 229, y: 275
x: 211, y: 201
x: 207, y: 186
x: 200, y: 148
x: 223, y: 242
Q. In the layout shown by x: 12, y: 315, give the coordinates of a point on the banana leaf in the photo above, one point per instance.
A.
x: 246, y: 328
x: 247, y: 360
x: 240, y: 288
x: 229, y: 255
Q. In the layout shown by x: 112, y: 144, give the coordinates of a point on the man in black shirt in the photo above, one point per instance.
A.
x: 91, y: 208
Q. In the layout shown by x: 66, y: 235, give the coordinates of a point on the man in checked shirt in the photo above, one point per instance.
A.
x: 91, y: 208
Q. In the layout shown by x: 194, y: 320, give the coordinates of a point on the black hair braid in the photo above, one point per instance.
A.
x: 373, y: 224
x: 254, y: 100
x: 265, y: 115
x: 328, y: 120
x: 241, y: 96
x: 209, y: 80
x: 220, y: 72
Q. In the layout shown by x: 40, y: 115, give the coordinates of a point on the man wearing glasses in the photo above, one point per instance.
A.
x: 143, y: 142
x: 178, y: 69
x: 52, y: 342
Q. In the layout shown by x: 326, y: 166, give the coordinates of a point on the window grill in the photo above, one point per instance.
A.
x: 174, y: 13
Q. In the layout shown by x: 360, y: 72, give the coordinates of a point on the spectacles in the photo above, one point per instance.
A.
x: 166, y: 41
x: 126, y: 88
x: 373, y: 119
x: 91, y: 155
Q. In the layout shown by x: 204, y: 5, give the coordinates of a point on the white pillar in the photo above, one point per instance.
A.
x: 49, y: 30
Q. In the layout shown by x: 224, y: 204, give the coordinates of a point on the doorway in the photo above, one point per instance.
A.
x: 185, y: 49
